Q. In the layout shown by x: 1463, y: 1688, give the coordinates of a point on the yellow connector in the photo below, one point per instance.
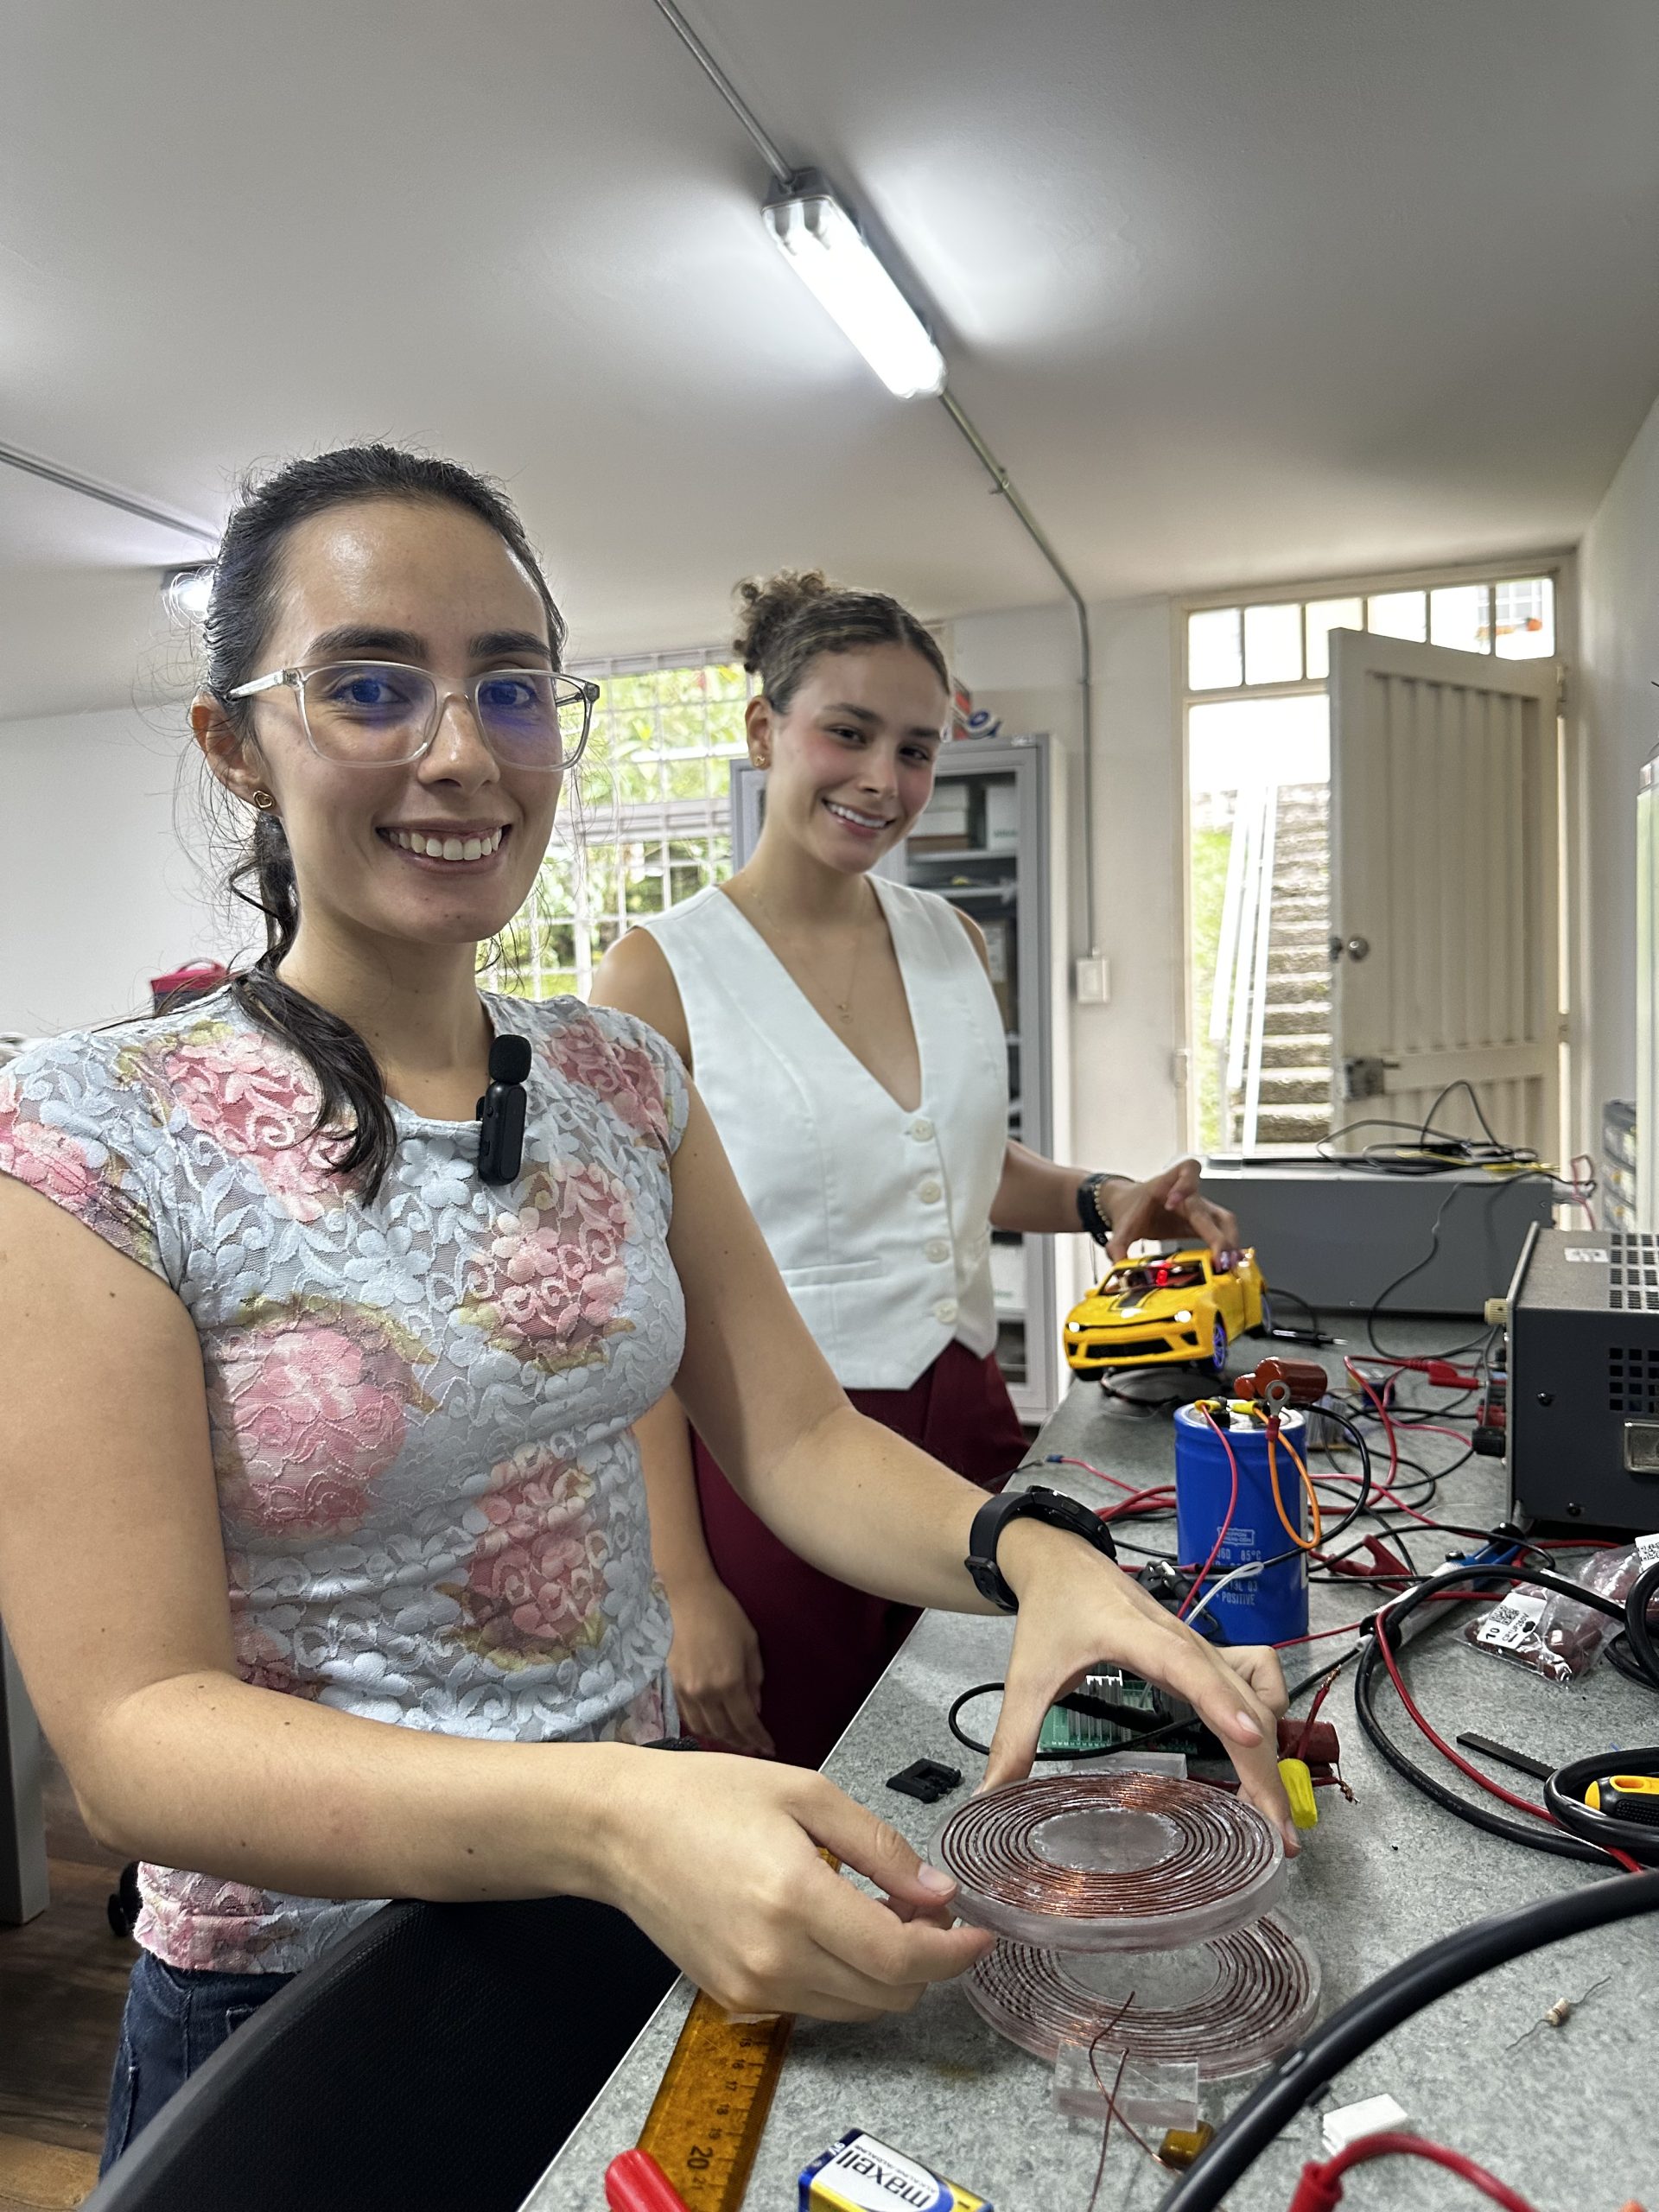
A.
x: 1299, y: 1787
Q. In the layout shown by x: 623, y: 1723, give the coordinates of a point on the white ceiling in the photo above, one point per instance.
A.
x: 1238, y: 289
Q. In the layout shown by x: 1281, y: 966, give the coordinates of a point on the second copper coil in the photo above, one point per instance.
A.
x: 1227, y: 2006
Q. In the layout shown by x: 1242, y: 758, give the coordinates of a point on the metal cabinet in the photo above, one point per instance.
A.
x: 985, y: 844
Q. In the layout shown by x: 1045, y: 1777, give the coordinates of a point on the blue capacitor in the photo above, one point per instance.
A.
x: 1270, y: 1607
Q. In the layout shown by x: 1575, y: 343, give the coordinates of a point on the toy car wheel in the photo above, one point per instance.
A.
x: 1264, y: 1326
x: 1218, y: 1348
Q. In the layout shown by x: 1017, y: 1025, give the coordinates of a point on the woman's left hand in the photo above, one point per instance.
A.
x: 1168, y: 1206
x: 1076, y: 1609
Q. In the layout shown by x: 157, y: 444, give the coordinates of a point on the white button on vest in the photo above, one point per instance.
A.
x: 945, y: 1310
x: 938, y: 1249
x: 931, y: 1193
x: 921, y: 1128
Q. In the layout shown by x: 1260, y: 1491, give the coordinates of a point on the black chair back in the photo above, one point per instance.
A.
x: 436, y: 2058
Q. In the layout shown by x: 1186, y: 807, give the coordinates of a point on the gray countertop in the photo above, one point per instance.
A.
x: 1569, y: 2117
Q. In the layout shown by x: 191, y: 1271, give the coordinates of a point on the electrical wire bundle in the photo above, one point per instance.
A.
x: 1563, y: 1824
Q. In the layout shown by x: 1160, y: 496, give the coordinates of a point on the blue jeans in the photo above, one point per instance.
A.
x: 175, y: 2020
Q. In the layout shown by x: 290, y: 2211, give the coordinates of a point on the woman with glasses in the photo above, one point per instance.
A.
x: 843, y: 1035
x: 323, y: 1542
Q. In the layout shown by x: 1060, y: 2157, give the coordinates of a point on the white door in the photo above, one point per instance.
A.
x: 1445, y: 876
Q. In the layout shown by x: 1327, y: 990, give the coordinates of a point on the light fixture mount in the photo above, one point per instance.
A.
x: 824, y: 245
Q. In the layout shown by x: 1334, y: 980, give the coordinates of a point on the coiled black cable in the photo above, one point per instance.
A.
x: 1535, y: 1835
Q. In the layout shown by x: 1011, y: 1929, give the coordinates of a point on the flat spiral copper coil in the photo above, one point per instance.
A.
x: 1126, y: 1861
x: 1229, y: 2006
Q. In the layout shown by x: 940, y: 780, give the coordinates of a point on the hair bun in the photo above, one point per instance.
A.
x: 767, y: 605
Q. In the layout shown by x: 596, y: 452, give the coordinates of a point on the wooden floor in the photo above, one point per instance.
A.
x: 63, y: 1981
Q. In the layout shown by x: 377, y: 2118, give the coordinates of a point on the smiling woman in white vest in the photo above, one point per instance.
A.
x: 845, y: 1038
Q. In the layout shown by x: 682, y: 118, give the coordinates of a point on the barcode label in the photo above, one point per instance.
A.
x: 1586, y: 1252
x: 1514, y: 1622
x: 1647, y: 1550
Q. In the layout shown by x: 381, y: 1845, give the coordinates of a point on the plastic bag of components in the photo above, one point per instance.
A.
x: 1551, y: 1635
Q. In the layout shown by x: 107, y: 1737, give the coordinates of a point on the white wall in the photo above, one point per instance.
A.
x: 1125, y: 1110
x: 1619, y: 587
x: 97, y: 890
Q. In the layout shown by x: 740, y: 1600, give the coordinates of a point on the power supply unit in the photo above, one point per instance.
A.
x: 1583, y: 1400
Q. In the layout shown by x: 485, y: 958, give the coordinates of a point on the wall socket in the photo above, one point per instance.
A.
x: 1092, y: 979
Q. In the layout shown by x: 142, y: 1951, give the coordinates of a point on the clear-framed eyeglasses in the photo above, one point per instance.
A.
x: 383, y: 713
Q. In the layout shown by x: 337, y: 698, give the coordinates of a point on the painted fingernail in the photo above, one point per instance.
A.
x: 936, y: 1880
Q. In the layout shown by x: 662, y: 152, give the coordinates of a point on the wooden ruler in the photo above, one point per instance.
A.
x: 705, y: 2124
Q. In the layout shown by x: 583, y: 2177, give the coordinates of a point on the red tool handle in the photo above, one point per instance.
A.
x: 635, y: 2183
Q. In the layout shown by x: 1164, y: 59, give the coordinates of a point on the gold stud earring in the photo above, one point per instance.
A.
x: 264, y: 800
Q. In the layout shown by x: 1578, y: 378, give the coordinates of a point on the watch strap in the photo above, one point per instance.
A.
x: 1037, y: 1503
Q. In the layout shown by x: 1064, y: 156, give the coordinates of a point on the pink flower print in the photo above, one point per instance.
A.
x: 264, y: 1664
x: 536, y: 1583
x: 306, y: 1412
x: 197, y: 1920
x: 623, y: 1075
x: 53, y: 1163
x: 556, y: 1273
x: 243, y: 1091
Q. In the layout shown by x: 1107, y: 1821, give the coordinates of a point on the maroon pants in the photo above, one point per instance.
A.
x: 823, y: 1644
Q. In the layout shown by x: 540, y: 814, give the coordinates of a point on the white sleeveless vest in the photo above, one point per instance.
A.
x: 878, y: 1220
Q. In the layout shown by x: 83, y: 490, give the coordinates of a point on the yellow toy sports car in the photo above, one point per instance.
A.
x: 1164, y: 1304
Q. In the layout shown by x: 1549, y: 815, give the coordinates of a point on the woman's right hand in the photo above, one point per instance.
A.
x: 718, y: 1859
x: 714, y: 1663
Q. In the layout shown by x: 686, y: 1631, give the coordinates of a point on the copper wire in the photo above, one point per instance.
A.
x: 1217, y: 1848
x: 1264, y: 1991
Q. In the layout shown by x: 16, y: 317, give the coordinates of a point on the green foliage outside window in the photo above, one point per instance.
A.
x: 642, y: 822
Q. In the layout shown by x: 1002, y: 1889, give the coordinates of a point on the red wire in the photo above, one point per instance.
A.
x: 1232, y: 1508
x: 1464, y: 1766
x: 1060, y: 1459
x: 1320, y: 2186
x: 1382, y: 1415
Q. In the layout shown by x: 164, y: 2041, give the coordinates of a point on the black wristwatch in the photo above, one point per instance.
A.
x: 1033, y: 1504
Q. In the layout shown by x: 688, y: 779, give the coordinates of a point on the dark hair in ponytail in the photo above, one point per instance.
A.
x: 247, y: 577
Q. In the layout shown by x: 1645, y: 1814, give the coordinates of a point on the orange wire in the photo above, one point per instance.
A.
x: 1302, y: 1544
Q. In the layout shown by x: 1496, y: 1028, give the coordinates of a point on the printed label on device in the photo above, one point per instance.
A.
x: 858, y: 2174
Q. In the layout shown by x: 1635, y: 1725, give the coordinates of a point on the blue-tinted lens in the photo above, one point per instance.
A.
x: 524, y: 718
x: 376, y: 708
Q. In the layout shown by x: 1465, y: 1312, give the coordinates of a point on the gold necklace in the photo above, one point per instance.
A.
x: 844, y: 1006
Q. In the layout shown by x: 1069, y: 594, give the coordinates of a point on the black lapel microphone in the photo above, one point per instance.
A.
x: 501, y: 1111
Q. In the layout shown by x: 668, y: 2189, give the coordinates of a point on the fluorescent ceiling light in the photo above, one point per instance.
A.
x: 186, y: 592
x: 824, y: 247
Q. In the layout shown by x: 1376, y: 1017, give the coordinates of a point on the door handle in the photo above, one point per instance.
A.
x: 1356, y: 948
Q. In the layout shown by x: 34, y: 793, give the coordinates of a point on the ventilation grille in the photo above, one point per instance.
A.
x: 1632, y: 1272
x: 1633, y: 1379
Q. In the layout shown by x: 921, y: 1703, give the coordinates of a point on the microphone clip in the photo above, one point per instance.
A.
x: 501, y: 1111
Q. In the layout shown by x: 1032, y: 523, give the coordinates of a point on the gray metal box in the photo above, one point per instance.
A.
x: 1583, y: 1413
x: 1338, y: 1237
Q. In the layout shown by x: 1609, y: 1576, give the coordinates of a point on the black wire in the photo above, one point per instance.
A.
x: 1535, y: 1835
x: 1394, y: 1997
x: 1564, y: 1794
x: 1095, y: 1751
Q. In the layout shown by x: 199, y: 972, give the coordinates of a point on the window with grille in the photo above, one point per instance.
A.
x: 644, y: 821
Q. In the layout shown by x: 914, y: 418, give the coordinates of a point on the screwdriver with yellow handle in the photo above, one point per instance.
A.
x: 1626, y: 1797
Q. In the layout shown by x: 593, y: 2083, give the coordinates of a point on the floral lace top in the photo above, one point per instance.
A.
x: 421, y: 1410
